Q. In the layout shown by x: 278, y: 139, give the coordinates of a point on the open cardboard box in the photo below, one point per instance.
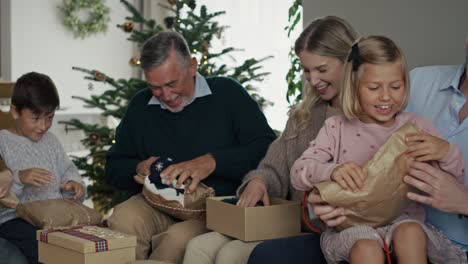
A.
x: 281, y: 219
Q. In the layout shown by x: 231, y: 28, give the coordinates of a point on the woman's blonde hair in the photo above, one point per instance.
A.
x: 374, y: 50
x: 329, y: 36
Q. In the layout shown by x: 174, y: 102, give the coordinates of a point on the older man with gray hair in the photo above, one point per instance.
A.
x: 211, y: 126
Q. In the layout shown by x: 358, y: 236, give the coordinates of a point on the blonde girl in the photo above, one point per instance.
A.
x: 374, y: 92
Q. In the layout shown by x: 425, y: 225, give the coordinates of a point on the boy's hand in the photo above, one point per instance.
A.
x: 349, y: 175
x: 425, y: 147
x: 73, y: 187
x: 6, y: 180
x: 35, y: 176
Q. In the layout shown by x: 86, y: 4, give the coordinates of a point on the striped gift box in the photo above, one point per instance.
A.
x: 85, y: 245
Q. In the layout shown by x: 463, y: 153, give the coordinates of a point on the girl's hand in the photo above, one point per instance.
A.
x: 349, y: 175
x: 330, y: 215
x: 35, y: 176
x: 73, y: 187
x: 425, y: 147
x: 255, y: 191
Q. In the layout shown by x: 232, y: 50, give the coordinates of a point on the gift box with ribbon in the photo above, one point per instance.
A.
x: 85, y: 245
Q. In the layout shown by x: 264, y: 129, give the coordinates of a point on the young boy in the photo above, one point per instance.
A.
x: 41, y: 169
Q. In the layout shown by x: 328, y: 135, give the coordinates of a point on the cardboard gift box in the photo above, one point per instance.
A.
x: 281, y: 219
x: 85, y: 245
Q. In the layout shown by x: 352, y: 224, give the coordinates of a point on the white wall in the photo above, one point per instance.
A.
x: 39, y: 42
x: 430, y: 32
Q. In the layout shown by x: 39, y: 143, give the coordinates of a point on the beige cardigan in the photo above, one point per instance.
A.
x: 281, y: 155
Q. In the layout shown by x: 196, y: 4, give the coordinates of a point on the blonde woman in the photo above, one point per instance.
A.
x: 322, y: 48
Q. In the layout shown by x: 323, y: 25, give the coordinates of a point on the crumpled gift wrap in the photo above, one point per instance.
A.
x: 57, y: 213
x: 10, y: 200
x: 383, y: 197
x: 173, y: 201
x: 2, y: 165
x: 194, y: 203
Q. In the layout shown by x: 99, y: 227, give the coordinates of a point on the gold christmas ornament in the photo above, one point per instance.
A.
x: 204, y: 47
x: 127, y: 27
x: 99, y: 76
x: 134, y: 62
x: 93, y: 137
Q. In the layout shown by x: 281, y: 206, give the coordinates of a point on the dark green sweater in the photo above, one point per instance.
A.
x: 228, y: 124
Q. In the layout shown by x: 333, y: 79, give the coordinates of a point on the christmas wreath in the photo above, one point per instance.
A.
x: 97, y: 21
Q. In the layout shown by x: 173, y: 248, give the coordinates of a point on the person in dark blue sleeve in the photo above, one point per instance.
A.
x: 211, y: 126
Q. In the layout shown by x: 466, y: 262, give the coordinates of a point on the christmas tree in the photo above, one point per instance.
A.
x: 199, y: 28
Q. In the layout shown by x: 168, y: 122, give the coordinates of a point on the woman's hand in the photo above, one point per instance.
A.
x: 425, y: 147
x: 330, y: 215
x: 255, y: 191
x: 349, y: 175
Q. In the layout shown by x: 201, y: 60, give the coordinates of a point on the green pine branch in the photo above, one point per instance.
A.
x: 294, y: 74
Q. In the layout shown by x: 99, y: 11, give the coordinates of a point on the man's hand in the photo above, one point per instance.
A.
x: 425, y: 147
x: 35, y: 176
x: 442, y: 190
x: 6, y: 180
x: 197, y: 169
x: 73, y: 187
x: 143, y: 168
x: 330, y: 215
x: 255, y: 191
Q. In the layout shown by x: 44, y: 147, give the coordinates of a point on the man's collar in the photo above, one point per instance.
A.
x: 201, y: 89
x: 455, y: 79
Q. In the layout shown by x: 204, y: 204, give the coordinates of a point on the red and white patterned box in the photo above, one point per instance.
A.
x: 85, y: 245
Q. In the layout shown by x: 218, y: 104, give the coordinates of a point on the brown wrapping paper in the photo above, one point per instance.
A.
x: 10, y: 200
x: 194, y: 202
x: 383, y: 197
x: 2, y: 165
x: 57, y: 213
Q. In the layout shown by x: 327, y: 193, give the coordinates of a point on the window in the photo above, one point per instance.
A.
x: 258, y: 28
